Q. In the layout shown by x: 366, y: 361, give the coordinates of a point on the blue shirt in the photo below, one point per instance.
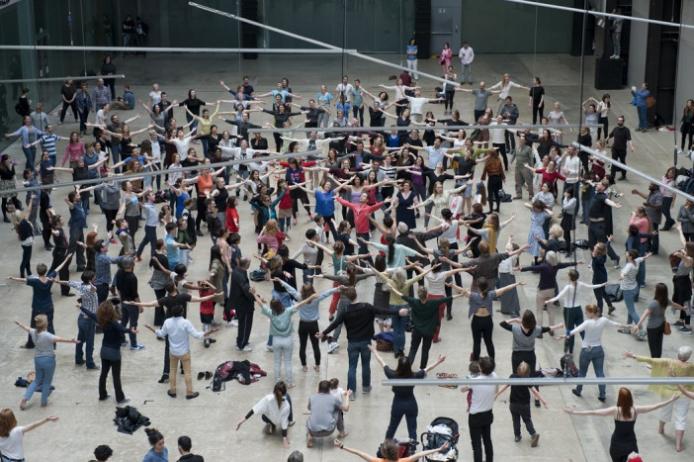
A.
x: 153, y: 456
x: 28, y: 134
x: 129, y: 98
x: 412, y: 52
x: 325, y: 203
x: 48, y: 143
x: 173, y: 253
x: 102, y: 267
x: 324, y: 99
x: 180, y: 200
x: 41, y: 300
x: 283, y: 94
x: 78, y: 219
x: 640, y: 97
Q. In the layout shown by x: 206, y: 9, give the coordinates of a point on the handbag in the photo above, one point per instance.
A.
x: 613, y: 293
x: 667, y: 329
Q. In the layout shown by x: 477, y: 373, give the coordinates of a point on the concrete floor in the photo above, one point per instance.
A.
x: 210, y: 420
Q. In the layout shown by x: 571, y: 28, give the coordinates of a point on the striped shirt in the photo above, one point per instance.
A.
x: 87, y: 292
x: 49, y: 142
x: 389, y: 173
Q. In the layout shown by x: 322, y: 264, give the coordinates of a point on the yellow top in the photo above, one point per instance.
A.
x: 665, y: 367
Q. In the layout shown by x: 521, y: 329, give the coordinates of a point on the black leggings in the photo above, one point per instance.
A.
x: 538, y: 113
x: 299, y: 195
x: 308, y: 330
x: 358, y: 113
x: 482, y: 327
x: 605, y: 122
x: 687, y: 132
x: 494, y: 185
x: 106, y: 365
x: 202, y: 211
x: 110, y: 216
x: 480, y: 425
x: 63, y: 110
x: 25, y: 265
x: 425, y: 340
x: 448, y: 100
x: 655, y: 340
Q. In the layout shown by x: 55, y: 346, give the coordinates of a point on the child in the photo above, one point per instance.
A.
x: 206, y: 311
x: 519, y: 404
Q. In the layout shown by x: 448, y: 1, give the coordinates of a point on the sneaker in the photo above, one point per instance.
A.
x: 137, y: 347
x: 685, y: 330
x: 602, y: 399
x: 193, y: 396
x: 534, y: 440
x: 333, y: 347
x: 616, y: 264
x: 247, y: 348
x: 352, y: 397
x: 517, y: 439
x: 123, y: 402
x: 164, y: 378
x: 234, y: 323
x: 366, y: 390
x: 576, y: 392
x: 611, y: 309
x: 678, y: 323
x: 268, y: 348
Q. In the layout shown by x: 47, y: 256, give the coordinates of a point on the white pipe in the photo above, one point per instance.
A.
x: 320, y: 51
x: 60, y: 79
x: 545, y: 381
x: 354, y: 53
x: 598, y: 13
x: 413, y: 127
x: 649, y: 178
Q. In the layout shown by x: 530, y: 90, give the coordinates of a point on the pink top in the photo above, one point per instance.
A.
x: 73, y: 152
x: 642, y: 224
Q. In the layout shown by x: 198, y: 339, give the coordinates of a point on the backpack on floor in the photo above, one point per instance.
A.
x: 257, y: 275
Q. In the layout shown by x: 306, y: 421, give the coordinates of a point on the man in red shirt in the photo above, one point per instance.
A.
x: 362, y: 211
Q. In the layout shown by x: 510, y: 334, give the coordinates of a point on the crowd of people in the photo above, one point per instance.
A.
x: 408, y: 209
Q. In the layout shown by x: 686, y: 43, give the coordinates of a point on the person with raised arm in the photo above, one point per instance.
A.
x: 390, y: 450
x: 12, y: 435
x: 623, y: 441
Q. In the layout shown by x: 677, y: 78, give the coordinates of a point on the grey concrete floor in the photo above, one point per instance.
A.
x: 85, y: 422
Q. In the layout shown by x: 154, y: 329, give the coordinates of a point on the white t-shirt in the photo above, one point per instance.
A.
x: 347, y: 89
x: 278, y: 415
x: 570, y: 168
x: 416, y: 104
x: 497, y: 135
x: 12, y: 446
x: 482, y: 395
x: 466, y: 55
x: 436, y: 283
x: 155, y: 96
x: 100, y: 117
x: 182, y: 146
x: 593, y: 331
x: 603, y: 109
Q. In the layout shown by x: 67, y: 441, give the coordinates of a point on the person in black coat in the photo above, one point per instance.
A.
x: 241, y: 298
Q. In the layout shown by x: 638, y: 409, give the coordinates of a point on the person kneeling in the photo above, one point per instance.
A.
x: 326, y: 413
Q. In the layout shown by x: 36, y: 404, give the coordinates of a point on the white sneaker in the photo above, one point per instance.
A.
x: 268, y: 348
x: 333, y: 347
x: 247, y: 348
x: 234, y: 323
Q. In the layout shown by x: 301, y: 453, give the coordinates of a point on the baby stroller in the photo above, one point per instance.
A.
x: 441, y: 430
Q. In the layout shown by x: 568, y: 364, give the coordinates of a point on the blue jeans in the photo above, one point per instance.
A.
x: 643, y: 116
x: 595, y: 355
x: 85, y: 336
x: 398, y: 325
x: 45, y: 368
x: 629, y: 300
x: 354, y: 351
x: 282, y: 350
x: 573, y: 316
x: 30, y: 154
x: 150, y: 237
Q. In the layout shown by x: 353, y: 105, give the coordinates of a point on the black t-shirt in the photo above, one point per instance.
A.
x: 290, y: 266
x: 599, y: 209
x: 344, y: 238
x: 170, y: 301
x: 220, y: 200
x: 163, y: 259
x: 536, y: 93
x: 259, y: 144
x: 620, y: 137
x: 403, y: 392
x: 68, y: 91
x: 126, y: 283
x: 520, y: 394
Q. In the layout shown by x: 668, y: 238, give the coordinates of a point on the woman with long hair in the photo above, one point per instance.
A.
x: 12, y: 435
x: 655, y: 313
x: 404, y: 403
x: 623, y: 441
x: 687, y: 125
x: 275, y: 410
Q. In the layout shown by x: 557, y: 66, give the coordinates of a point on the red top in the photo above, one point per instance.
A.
x: 286, y: 201
x: 550, y: 177
x: 207, y: 307
x: 232, y: 219
x: 361, y: 214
